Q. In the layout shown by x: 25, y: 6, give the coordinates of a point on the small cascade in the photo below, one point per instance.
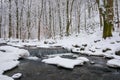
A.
x: 40, y: 52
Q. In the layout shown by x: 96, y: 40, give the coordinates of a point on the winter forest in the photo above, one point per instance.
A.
x: 41, y: 19
x: 59, y: 39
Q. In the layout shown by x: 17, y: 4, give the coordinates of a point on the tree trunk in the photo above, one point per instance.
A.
x: 17, y: 19
x: 39, y: 23
x: 69, y: 19
x: 108, y: 18
x: 100, y: 14
x: 50, y: 18
x: 0, y: 25
x: 21, y: 20
x: 10, y: 20
x: 59, y: 15
x: 117, y: 12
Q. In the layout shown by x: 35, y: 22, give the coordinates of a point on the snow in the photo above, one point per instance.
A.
x: 114, y: 63
x: 2, y: 41
x: 17, y: 75
x: 12, y: 50
x: 9, y: 59
x: 89, y: 44
x: 3, y: 77
x: 83, y: 58
x: 92, y: 44
x: 62, y: 54
x: 94, y: 41
x: 64, y: 62
x: 32, y: 58
x: 4, y: 66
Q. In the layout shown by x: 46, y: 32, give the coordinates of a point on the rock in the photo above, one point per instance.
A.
x: 117, y: 53
x: 17, y: 76
x: 118, y: 41
x: 112, y: 43
x: 82, y: 49
x: 2, y: 50
x: 76, y: 46
x: 97, y: 41
x: 92, y: 62
x: 105, y: 50
x: 84, y: 45
x: 49, y: 42
x: 83, y: 58
x: 92, y: 50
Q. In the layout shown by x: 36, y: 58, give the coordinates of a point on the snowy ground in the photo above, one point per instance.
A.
x: 88, y: 44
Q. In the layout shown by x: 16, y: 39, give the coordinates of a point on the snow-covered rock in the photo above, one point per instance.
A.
x: 49, y: 41
x: 114, y: 63
x: 83, y: 58
x: 2, y: 41
x: 63, y: 62
x: 17, y: 75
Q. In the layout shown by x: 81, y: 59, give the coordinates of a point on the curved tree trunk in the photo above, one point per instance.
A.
x: 107, y: 13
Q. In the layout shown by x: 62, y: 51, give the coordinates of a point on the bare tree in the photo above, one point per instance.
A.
x: 50, y: 18
x: 21, y: 19
x: 29, y: 18
x: 10, y: 20
x: 59, y: 15
x: 69, y: 19
x: 117, y: 12
x: 40, y: 15
x: 17, y: 19
x: 100, y: 13
x: 1, y: 20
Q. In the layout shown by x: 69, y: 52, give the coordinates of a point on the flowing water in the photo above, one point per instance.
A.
x: 36, y: 70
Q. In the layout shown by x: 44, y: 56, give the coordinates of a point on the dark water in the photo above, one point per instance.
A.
x: 36, y: 70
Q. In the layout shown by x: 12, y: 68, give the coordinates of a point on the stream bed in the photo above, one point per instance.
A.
x: 37, y: 70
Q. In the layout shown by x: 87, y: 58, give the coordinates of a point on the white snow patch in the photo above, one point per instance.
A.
x: 4, y: 66
x: 83, y: 58
x: 114, y: 63
x: 3, y: 77
x: 17, y: 75
x: 63, y: 62
x: 16, y: 51
x: 2, y: 41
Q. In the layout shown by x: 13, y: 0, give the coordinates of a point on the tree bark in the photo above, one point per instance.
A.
x: 17, y: 19
x: 108, y: 18
x: 39, y: 23
x: 0, y: 25
x: 69, y: 19
x: 10, y: 21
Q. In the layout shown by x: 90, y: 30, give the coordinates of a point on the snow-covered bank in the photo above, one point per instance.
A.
x: 9, y: 59
x: 93, y: 44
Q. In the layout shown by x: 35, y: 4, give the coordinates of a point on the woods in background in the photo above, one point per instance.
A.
x: 39, y: 19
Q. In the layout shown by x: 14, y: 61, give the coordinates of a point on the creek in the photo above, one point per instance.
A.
x: 36, y: 70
